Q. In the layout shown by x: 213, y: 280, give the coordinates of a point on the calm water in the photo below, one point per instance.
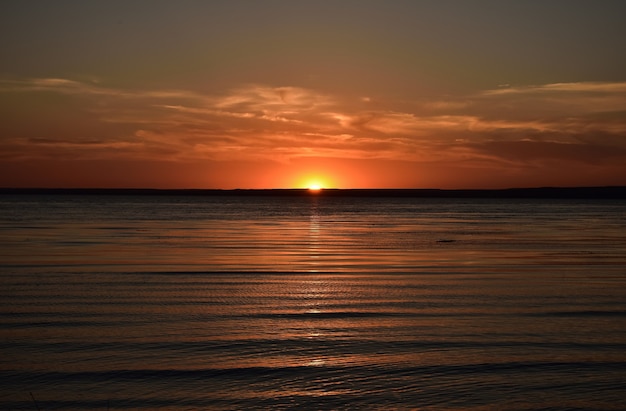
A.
x: 176, y: 303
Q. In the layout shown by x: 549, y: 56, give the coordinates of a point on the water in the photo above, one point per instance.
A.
x: 221, y: 303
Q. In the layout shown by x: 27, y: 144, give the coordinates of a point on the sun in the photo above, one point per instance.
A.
x: 313, y: 182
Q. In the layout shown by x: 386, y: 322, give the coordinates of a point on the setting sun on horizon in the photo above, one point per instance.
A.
x: 315, y: 181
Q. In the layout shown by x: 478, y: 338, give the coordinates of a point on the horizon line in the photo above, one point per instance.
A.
x: 512, y: 192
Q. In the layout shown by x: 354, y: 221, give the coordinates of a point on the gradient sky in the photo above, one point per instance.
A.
x: 349, y: 94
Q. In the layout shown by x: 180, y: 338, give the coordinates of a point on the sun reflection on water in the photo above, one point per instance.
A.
x: 318, y: 362
x: 315, y: 244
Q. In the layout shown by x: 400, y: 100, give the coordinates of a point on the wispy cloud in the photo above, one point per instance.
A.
x: 578, y: 122
x: 585, y: 87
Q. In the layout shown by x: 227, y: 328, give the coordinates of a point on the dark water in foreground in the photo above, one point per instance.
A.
x: 192, y: 303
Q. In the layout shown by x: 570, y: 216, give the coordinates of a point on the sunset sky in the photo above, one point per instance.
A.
x: 278, y: 94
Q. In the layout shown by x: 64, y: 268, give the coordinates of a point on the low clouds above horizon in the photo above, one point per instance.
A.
x: 583, y: 122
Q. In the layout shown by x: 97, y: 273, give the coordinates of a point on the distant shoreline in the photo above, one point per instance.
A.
x: 609, y: 192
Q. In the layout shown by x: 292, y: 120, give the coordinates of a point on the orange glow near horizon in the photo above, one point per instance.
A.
x: 328, y: 173
x: 314, y: 182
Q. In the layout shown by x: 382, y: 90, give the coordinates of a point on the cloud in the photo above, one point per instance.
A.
x: 535, y: 152
x: 63, y: 118
x: 570, y: 100
x: 263, y: 98
x: 585, y: 87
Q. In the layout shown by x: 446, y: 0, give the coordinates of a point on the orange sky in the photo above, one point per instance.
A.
x: 356, y: 95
